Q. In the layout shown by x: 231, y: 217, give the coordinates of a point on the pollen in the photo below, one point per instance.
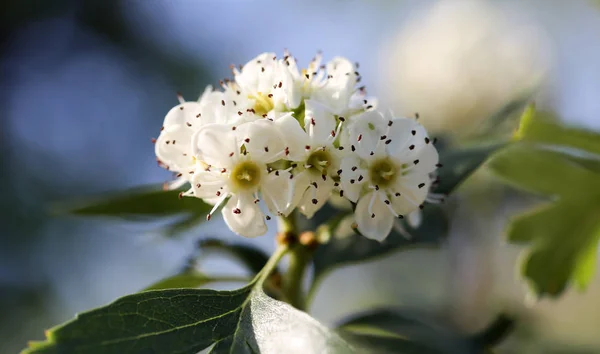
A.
x: 263, y: 104
x: 245, y: 176
x: 383, y: 172
x: 319, y: 161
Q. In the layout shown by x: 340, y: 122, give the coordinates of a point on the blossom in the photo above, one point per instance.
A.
x: 333, y: 85
x: 258, y: 88
x: 315, y: 156
x: 388, y: 174
x: 235, y: 169
x: 277, y: 138
x: 173, y: 146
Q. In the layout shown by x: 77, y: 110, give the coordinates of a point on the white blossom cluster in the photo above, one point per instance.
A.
x: 292, y: 138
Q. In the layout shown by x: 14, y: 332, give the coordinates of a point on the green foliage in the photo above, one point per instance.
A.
x: 181, y: 321
x: 563, y: 235
x: 143, y: 202
x: 398, y: 331
x: 191, y: 279
x: 459, y: 164
x: 544, y: 172
x: 167, y: 321
x: 544, y: 128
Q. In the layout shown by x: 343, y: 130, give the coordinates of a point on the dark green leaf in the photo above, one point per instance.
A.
x: 495, y: 333
x: 544, y: 127
x: 186, y: 321
x: 144, y: 201
x: 383, y: 330
x: 564, y: 241
x: 251, y: 257
x: 355, y: 248
x: 459, y: 164
x: 378, y: 344
x: 410, y: 332
x: 544, y: 172
x: 192, y: 279
x: 161, y: 321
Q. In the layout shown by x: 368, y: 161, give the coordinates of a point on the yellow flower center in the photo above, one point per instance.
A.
x: 383, y: 172
x: 245, y: 175
x: 263, y: 104
x: 318, y: 162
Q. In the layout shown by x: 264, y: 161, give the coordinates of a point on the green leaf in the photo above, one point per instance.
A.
x: 544, y: 127
x: 384, y: 329
x: 355, y: 248
x: 161, y: 321
x: 186, y: 321
x: 544, y: 172
x: 564, y: 242
x: 251, y: 257
x: 271, y: 326
x: 459, y: 164
x: 144, y: 201
x: 189, y: 320
x: 191, y: 279
x: 562, y: 162
x: 377, y: 344
x: 394, y: 330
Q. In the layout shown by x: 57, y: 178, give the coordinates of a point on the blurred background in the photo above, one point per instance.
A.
x: 86, y: 84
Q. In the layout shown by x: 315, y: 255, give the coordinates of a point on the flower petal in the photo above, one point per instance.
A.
x: 295, y: 137
x: 216, y: 144
x: 173, y: 148
x: 315, y: 197
x: 262, y: 139
x: 373, y: 218
x: 351, y: 183
x: 409, y: 191
x: 243, y: 216
x: 183, y: 113
x: 339, y: 87
x: 209, y: 185
x: 258, y: 74
x: 276, y: 192
x: 414, y: 219
x: 319, y: 122
x: 410, y: 142
x: 365, y: 133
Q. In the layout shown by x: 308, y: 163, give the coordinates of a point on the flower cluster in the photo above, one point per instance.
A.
x: 292, y: 138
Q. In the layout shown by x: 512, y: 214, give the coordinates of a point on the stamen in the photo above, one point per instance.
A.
x: 216, y: 206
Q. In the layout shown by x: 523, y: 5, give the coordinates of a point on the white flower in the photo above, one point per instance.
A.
x: 333, y: 85
x: 388, y: 174
x: 173, y: 146
x: 258, y: 87
x: 234, y: 160
x: 314, y: 153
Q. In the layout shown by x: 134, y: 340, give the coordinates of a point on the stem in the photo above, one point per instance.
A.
x: 298, y: 261
x: 287, y: 224
x: 271, y: 264
x: 293, y: 279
